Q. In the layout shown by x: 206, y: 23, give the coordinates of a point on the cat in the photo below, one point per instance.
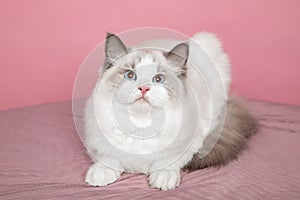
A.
x: 139, y: 118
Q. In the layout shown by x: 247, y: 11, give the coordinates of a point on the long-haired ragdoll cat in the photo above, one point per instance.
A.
x: 139, y: 87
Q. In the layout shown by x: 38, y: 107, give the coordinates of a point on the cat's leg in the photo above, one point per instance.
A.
x: 100, y: 175
x: 168, y: 177
x: 165, y: 179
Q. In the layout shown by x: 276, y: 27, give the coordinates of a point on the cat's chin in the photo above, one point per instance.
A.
x: 141, y: 99
x: 146, y: 102
x: 141, y: 104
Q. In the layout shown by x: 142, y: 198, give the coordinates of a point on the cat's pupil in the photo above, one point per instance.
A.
x: 158, y: 78
x: 130, y: 75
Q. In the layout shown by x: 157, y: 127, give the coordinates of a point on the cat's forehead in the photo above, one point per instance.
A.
x: 147, y: 65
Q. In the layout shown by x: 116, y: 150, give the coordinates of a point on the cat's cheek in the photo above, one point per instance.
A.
x: 126, y: 93
x: 160, y: 97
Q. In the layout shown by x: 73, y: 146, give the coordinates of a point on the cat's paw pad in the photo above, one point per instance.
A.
x: 165, y: 179
x: 99, y: 175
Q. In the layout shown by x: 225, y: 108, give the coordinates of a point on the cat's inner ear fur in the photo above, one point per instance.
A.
x: 114, y: 49
x: 178, y: 57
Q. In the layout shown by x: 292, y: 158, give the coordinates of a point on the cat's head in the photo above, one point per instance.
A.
x: 146, y: 76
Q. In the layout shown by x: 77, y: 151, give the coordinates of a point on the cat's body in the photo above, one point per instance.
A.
x: 144, y: 87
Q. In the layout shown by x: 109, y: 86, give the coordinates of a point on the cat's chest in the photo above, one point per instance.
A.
x: 139, y: 134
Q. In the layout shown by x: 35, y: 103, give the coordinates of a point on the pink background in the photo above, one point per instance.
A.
x: 43, y: 43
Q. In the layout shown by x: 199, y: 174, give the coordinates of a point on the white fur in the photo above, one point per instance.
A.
x: 108, y: 143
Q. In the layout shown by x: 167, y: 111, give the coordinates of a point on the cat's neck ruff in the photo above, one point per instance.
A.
x: 141, y: 117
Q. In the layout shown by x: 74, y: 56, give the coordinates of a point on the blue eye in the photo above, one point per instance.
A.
x: 158, y: 78
x: 130, y: 75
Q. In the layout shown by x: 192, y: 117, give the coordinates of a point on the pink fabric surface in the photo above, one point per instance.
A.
x: 41, y: 157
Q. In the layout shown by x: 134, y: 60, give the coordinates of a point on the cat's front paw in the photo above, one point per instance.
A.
x: 99, y: 175
x: 165, y: 179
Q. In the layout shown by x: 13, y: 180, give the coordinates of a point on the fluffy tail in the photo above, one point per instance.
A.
x: 239, y: 124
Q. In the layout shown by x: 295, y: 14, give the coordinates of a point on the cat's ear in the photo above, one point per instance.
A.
x: 179, y: 56
x: 114, y: 48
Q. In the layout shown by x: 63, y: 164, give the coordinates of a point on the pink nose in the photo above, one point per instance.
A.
x: 144, y: 89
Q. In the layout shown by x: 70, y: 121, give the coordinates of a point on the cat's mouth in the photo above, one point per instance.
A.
x: 146, y: 100
x: 141, y: 99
